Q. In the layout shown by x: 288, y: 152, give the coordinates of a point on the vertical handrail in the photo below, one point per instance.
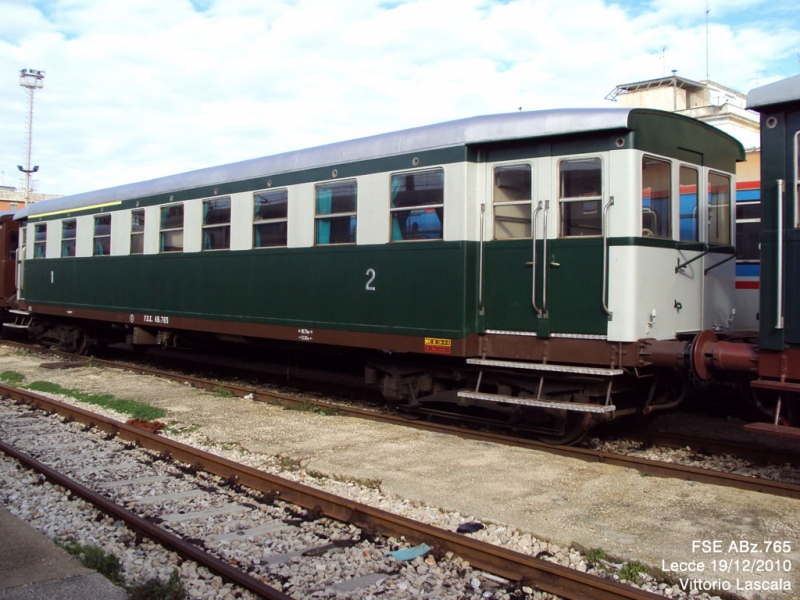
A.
x: 480, y: 260
x: 544, y: 260
x: 779, y: 296
x: 533, y: 264
x: 608, y: 205
x: 18, y: 269
x: 797, y: 180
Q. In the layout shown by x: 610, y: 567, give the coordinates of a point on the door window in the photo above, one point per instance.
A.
x: 512, y: 202
x: 580, y: 195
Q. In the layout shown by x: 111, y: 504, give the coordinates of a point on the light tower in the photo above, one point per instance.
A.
x: 32, y: 80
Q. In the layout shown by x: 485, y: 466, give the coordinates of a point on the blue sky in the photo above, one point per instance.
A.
x: 137, y: 89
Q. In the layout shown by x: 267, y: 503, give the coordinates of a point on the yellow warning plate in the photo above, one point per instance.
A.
x: 438, y: 345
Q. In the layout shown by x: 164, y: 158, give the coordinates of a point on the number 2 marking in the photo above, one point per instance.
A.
x: 369, y: 287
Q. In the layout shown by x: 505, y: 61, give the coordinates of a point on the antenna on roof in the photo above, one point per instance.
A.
x: 707, y: 11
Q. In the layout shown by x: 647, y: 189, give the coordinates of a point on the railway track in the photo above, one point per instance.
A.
x: 646, y: 466
x: 125, y: 471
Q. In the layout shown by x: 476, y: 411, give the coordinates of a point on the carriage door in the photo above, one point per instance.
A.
x: 511, y: 290
x: 575, y: 261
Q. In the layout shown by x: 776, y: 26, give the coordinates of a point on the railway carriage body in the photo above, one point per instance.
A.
x: 779, y: 335
x: 551, y: 252
x: 9, y: 242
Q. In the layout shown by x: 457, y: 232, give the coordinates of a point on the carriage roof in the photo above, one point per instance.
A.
x: 781, y: 91
x: 474, y: 130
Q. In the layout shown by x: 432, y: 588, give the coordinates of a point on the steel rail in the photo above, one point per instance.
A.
x: 757, y: 454
x: 644, y: 465
x: 150, y: 530
x: 544, y: 575
x: 651, y: 467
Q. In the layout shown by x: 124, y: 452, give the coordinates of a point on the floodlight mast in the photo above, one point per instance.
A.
x: 31, y: 80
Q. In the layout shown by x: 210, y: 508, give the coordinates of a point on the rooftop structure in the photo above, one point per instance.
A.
x: 707, y: 101
x: 12, y: 199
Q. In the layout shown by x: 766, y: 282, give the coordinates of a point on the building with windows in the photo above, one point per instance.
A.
x: 12, y: 199
x: 704, y: 100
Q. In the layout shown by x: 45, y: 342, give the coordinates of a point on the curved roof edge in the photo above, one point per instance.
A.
x: 784, y: 90
x: 473, y: 130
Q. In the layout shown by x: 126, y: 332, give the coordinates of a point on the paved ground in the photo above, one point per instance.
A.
x: 33, y: 568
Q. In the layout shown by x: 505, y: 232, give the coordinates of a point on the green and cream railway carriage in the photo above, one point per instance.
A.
x: 528, y: 262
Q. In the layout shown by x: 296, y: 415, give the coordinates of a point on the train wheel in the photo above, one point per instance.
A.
x: 84, y: 345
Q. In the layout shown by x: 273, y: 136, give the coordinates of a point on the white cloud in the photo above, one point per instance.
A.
x: 143, y: 88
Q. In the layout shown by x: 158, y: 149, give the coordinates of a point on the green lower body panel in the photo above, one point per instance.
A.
x: 402, y: 289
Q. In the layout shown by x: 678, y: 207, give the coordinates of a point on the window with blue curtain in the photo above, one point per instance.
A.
x: 137, y: 231
x: 270, y: 218
x: 172, y: 228
x: 40, y: 240
x: 217, y: 223
x: 68, y: 228
x: 417, y: 205
x: 336, y: 213
x: 102, y: 235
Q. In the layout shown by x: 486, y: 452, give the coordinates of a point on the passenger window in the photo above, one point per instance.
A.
x: 13, y: 244
x: 102, y: 235
x: 580, y: 196
x: 512, y: 202
x: 172, y: 228
x: 40, y: 240
x: 270, y: 218
x: 217, y: 223
x: 417, y: 205
x: 68, y: 237
x: 137, y: 231
x: 748, y: 230
x: 656, y: 198
x: 689, y: 179
x: 719, y: 209
x: 336, y: 213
